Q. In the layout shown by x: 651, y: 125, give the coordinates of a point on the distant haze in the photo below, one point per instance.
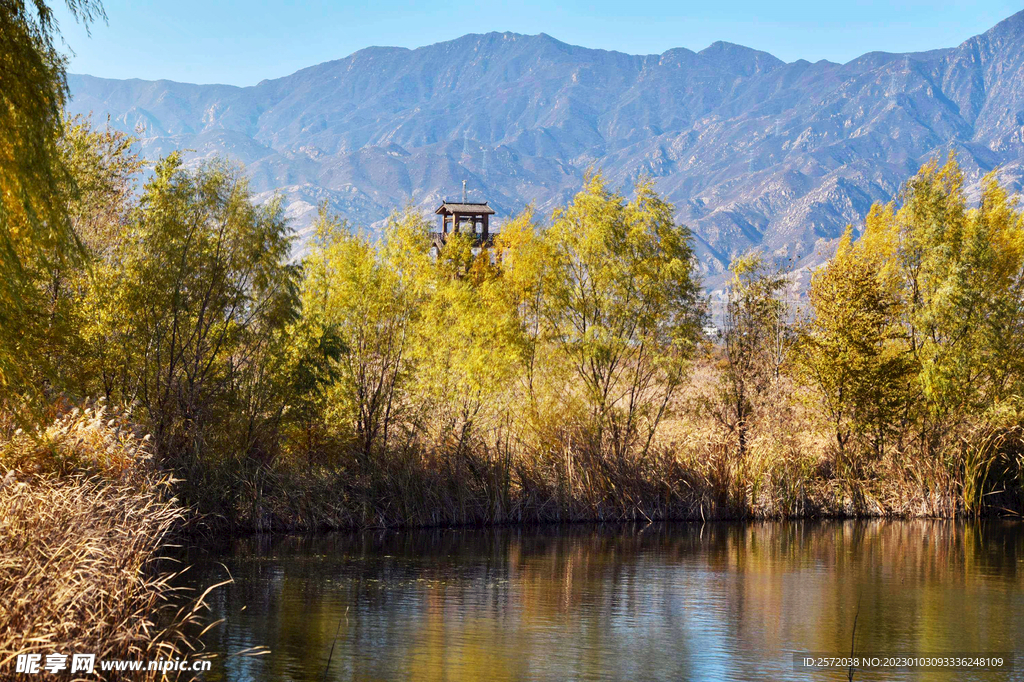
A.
x: 754, y: 152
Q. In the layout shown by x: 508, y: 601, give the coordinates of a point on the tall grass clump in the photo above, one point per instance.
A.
x: 84, y: 516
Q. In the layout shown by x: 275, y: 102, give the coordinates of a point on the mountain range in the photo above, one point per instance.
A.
x: 754, y: 152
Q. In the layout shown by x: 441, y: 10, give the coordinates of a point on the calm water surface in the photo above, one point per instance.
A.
x: 662, y: 602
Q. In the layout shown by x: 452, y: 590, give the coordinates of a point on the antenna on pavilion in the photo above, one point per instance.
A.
x: 463, y: 191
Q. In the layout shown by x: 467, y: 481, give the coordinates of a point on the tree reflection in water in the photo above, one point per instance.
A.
x: 665, y: 601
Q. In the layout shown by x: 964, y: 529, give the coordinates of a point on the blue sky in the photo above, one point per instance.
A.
x: 242, y: 42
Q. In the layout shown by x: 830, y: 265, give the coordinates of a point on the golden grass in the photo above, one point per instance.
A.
x: 512, y: 471
x: 95, y: 439
x: 83, y: 519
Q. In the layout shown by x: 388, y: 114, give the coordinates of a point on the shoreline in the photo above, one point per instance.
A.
x: 222, y: 534
x: 226, y: 529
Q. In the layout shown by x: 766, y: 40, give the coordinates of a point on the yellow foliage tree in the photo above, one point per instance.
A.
x: 854, y: 350
x: 369, y: 298
x: 622, y: 306
x: 35, y: 233
x: 932, y: 290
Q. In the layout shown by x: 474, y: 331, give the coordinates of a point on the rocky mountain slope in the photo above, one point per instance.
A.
x: 754, y: 152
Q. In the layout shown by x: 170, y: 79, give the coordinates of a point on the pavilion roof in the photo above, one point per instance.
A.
x: 460, y: 207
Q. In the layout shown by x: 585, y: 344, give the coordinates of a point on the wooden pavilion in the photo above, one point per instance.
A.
x: 465, y: 217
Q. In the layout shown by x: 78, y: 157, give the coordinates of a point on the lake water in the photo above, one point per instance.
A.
x: 662, y: 602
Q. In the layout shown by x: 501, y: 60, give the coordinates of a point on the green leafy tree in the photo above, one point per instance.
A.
x: 190, y: 310
x: 755, y: 340
x: 104, y: 171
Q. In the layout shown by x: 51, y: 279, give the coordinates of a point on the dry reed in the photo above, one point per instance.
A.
x: 83, y: 519
x: 694, y: 471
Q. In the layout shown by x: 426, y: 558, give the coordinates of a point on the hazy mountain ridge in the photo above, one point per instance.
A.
x: 753, y: 151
